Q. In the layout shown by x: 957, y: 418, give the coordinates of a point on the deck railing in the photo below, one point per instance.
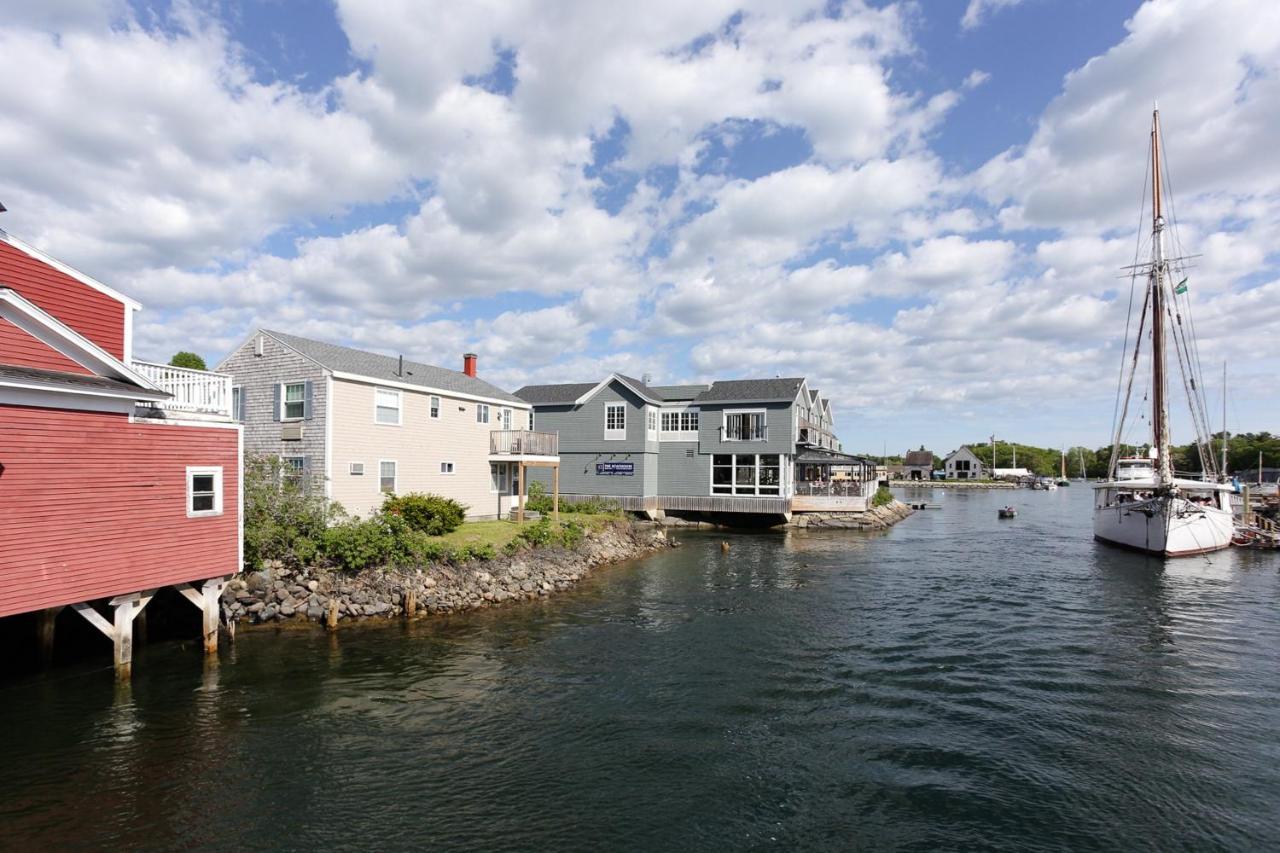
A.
x: 197, y: 391
x: 523, y: 442
x: 747, y: 431
x: 830, y: 489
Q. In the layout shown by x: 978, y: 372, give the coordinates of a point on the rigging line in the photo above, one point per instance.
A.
x: 1117, y: 435
x: 1117, y: 426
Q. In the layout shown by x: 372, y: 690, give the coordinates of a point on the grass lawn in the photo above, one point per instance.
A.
x: 499, y: 533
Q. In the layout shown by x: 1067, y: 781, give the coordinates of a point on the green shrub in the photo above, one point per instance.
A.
x: 355, y: 544
x: 571, y: 534
x: 537, y: 535
x: 474, y: 551
x: 882, y: 497
x: 430, y: 514
x: 285, y: 515
x: 188, y: 360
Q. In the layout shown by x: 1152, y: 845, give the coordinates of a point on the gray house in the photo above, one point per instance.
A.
x: 756, y: 446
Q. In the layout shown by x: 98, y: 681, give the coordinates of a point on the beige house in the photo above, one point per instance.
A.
x: 367, y: 425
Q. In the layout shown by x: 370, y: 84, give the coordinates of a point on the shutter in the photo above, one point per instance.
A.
x: 307, y: 395
x: 240, y: 405
x: 275, y: 408
x: 306, y: 474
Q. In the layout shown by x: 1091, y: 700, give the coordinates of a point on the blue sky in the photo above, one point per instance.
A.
x: 922, y: 207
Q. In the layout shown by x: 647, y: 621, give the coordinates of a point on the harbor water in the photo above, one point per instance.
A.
x: 959, y: 682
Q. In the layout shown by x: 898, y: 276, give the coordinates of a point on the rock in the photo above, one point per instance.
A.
x: 315, y: 613
x: 256, y: 607
x: 313, y: 585
x: 287, y: 609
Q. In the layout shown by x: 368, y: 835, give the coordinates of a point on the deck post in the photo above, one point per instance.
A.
x: 520, y: 493
x: 45, y: 633
x: 212, y: 590
x: 555, y: 491
x: 123, y: 639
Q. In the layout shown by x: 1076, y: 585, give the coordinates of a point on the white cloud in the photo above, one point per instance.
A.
x: 978, y: 10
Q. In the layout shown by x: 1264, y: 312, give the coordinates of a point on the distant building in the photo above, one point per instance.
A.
x: 1010, y: 473
x: 917, y: 465
x: 963, y: 464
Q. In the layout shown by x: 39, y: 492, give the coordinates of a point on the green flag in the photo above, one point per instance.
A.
x: 1181, y: 287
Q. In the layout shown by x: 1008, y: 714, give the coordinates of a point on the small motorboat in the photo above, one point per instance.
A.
x: 1007, y: 512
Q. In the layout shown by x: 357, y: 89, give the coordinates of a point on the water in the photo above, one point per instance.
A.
x: 960, y: 682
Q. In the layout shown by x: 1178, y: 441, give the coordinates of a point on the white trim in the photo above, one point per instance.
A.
x: 679, y: 434
x: 784, y: 461
x: 328, y: 436
x: 724, y: 425
x: 160, y: 422
x: 399, y: 421
x: 434, y: 402
x: 132, y: 395
x: 194, y: 471
x: 47, y: 329
x: 423, y: 389
x: 615, y: 434
x: 652, y: 424
x: 61, y: 267
x: 488, y: 413
x: 128, y: 334
x: 504, y: 478
x: 48, y: 398
x: 625, y: 384
x: 395, y: 478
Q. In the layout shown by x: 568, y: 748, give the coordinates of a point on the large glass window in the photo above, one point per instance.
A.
x: 688, y: 421
x: 746, y: 474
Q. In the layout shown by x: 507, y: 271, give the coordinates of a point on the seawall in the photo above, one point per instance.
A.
x: 281, y: 595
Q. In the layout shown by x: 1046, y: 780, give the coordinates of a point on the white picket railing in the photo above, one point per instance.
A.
x: 193, y: 390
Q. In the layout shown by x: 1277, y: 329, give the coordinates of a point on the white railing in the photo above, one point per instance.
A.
x: 193, y: 390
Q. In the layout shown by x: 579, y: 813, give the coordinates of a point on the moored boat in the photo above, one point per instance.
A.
x: 1141, y: 504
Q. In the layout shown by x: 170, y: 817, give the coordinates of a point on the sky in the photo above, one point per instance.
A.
x: 924, y: 208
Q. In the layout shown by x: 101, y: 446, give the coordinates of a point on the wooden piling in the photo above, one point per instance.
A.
x: 331, y: 619
x: 410, y: 603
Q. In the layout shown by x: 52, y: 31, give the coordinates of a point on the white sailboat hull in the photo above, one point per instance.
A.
x: 1167, y: 526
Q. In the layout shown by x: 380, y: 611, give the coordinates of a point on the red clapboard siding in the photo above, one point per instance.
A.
x: 92, y: 313
x: 92, y: 506
x: 17, y: 347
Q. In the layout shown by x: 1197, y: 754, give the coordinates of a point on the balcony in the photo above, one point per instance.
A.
x: 194, y: 392
x: 513, y: 444
x: 744, y: 431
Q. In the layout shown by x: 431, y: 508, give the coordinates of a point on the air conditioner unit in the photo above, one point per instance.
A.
x: 291, y: 432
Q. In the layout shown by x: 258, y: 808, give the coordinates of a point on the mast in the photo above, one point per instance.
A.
x: 1224, y: 420
x: 1159, y: 411
x: 1063, y: 458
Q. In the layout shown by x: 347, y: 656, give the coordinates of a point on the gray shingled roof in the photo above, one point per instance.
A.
x: 918, y: 457
x: 374, y: 366
x: 76, y: 381
x: 678, y: 392
x: 550, y: 395
x: 752, y: 389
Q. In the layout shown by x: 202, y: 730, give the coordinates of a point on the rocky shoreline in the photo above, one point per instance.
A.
x: 951, y: 484
x: 874, y: 518
x: 277, y: 594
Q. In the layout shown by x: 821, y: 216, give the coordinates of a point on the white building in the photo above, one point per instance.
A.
x: 963, y: 464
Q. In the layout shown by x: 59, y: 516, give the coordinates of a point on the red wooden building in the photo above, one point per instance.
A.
x: 117, y: 476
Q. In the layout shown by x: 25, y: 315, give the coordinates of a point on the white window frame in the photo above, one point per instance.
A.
x: 531, y: 420
x: 356, y: 469
x: 448, y: 469
x: 505, y: 415
x: 651, y: 422
x: 783, y: 482
x: 724, y: 424
x: 435, y: 407
x: 194, y: 471
x: 237, y: 402
x: 680, y: 433
x: 286, y: 468
x: 482, y: 413
x: 616, y: 433
x: 499, y: 473
x: 284, y: 401
x: 395, y: 477
x: 399, y: 407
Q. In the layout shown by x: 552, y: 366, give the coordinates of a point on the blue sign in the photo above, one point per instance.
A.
x: 616, y: 469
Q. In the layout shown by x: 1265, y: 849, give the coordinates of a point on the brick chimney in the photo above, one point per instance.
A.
x: 469, y: 363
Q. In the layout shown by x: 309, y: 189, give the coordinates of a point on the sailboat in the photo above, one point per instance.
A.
x: 1062, y: 475
x: 1142, y: 504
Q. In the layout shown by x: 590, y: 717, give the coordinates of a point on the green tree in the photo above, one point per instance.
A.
x: 188, y: 360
